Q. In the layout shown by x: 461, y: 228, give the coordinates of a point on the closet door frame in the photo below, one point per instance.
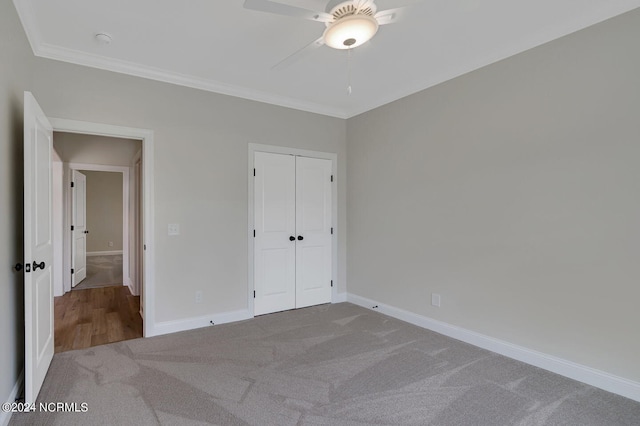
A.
x: 253, y: 148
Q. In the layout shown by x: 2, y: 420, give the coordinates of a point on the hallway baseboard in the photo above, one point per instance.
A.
x: 103, y: 253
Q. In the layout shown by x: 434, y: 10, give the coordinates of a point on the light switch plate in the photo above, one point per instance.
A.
x: 435, y: 299
x: 174, y: 229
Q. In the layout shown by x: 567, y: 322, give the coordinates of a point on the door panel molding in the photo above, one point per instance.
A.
x: 275, y: 254
x: 38, y: 247
x: 252, y: 149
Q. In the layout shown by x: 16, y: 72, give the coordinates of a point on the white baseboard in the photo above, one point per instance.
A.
x: 5, y: 417
x: 129, y: 283
x: 166, y: 327
x: 572, y: 370
x: 340, y: 297
x: 103, y: 253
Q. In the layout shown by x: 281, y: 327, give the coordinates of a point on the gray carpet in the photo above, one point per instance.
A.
x: 102, y: 271
x: 326, y: 365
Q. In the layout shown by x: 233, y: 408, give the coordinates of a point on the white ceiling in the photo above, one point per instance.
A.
x: 219, y: 46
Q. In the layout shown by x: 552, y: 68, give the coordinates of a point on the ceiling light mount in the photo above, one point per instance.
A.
x: 350, y: 31
x: 350, y: 7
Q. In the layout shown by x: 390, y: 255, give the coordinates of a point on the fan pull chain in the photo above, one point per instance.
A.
x: 349, y: 71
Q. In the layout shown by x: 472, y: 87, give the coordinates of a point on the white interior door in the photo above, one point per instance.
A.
x: 38, y: 246
x: 313, y: 228
x: 274, y: 261
x: 79, y: 225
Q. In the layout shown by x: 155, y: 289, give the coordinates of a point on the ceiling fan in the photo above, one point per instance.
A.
x: 349, y: 23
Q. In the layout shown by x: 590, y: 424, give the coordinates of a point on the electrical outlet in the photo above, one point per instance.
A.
x: 198, y: 297
x: 435, y: 299
x: 174, y: 229
x: 110, y: 244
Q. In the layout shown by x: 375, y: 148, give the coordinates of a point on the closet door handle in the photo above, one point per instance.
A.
x: 37, y: 265
x: 292, y: 238
x: 300, y: 238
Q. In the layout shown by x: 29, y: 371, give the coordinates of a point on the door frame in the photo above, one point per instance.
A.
x: 68, y: 254
x: 273, y: 149
x: 147, y: 138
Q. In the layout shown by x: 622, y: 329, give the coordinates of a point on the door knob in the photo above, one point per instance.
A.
x: 300, y: 237
x: 18, y: 267
x: 292, y: 238
x: 86, y: 232
x: 38, y: 265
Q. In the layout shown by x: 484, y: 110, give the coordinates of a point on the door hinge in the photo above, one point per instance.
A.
x: 72, y: 227
x: 331, y: 231
x: 331, y: 283
x: 254, y: 294
x: 254, y: 171
x: 254, y: 233
x: 73, y: 271
x: 144, y: 247
x: 72, y: 184
x: 331, y: 178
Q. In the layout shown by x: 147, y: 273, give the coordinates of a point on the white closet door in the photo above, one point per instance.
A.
x: 313, y: 227
x: 274, y: 263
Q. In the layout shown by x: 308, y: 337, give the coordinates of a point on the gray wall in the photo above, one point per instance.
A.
x: 514, y: 192
x: 201, y: 144
x: 104, y: 210
x: 511, y: 191
x: 15, y: 76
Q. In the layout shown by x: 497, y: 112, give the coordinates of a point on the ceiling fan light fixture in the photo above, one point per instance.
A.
x: 350, y: 31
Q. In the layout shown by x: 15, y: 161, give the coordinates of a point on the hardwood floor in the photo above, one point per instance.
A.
x: 95, y: 316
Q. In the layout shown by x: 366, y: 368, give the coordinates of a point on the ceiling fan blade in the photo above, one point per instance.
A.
x: 388, y: 16
x: 286, y: 10
x: 299, y: 54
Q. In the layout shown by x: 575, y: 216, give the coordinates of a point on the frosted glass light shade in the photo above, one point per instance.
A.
x: 350, y: 31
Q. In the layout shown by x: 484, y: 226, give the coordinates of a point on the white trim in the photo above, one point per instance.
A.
x: 166, y: 327
x: 127, y: 282
x: 104, y: 253
x: 44, y: 50
x: 146, y: 136
x: 255, y: 147
x: 563, y: 367
x: 5, y: 417
x: 134, y: 238
x: 29, y: 23
x: 340, y: 297
x: 57, y: 167
x: 73, y: 56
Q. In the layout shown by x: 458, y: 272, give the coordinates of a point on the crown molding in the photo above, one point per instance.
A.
x: 130, y: 68
x: 48, y: 51
x: 28, y: 20
x: 40, y: 49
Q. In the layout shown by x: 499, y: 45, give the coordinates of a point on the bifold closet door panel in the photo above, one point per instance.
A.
x: 313, y: 231
x: 275, y: 223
